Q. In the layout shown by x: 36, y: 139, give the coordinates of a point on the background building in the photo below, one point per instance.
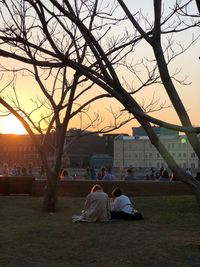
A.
x: 19, y: 150
x: 137, y: 150
x: 82, y: 149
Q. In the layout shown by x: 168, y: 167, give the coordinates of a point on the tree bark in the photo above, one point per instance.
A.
x: 50, y: 199
x: 195, y: 187
x: 174, y: 97
x: 187, y: 179
x: 198, y: 5
x: 129, y: 104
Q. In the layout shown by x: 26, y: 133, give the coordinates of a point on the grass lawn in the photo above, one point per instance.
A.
x: 169, y: 235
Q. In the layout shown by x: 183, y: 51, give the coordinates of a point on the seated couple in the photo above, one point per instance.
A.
x: 97, y: 207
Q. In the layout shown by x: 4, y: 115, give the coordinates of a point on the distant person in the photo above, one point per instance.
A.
x: 13, y: 171
x: 152, y: 173
x: 174, y: 177
x: 18, y: 170
x: 101, y: 174
x: 5, y: 169
x: 129, y: 176
x: 109, y: 176
x: 96, y: 208
x: 164, y: 176
x: 161, y: 172
x: 30, y: 169
x: 122, y: 207
x: 24, y: 171
x: 93, y: 174
x: 65, y: 176
x: 188, y: 171
x: 42, y: 172
x: 198, y: 176
x: 87, y: 174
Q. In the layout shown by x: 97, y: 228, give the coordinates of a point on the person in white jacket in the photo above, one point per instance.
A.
x: 122, y: 207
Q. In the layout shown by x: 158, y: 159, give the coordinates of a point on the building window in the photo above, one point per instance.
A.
x: 192, y: 155
x: 192, y: 165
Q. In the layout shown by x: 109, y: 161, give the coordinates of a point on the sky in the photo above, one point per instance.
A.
x: 188, y: 64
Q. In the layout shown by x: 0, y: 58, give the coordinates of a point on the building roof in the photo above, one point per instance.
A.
x: 160, y: 131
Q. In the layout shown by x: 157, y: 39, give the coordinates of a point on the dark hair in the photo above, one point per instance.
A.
x: 108, y: 168
x: 129, y: 171
x: 117, y: 192
x: 64, y: 173
x: 96, y: 187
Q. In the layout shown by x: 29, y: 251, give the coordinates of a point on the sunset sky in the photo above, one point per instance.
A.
x: 188, y: 64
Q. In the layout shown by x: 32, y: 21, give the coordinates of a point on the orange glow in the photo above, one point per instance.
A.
x: 11, y: 125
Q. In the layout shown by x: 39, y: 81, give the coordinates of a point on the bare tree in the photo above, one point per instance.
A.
x: 155, y: 41
x: 30, y: 34
x: 111, y: 83
x: 65, y: 91
x: 93, y: 57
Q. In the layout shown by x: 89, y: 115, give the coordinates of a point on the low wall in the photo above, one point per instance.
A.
x: 131, y: 188
x: 79, y: 188
x: 16, y: 185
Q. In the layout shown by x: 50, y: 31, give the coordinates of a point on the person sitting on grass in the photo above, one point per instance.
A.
x: 122, y: 207
x: 96, y: 208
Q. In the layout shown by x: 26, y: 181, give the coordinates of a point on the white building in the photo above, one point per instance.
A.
x: 137, y: 151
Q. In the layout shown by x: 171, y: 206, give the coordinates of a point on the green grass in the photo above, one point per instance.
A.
x: 169, y: 235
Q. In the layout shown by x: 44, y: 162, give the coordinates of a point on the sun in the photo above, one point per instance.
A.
x: 11, y: 125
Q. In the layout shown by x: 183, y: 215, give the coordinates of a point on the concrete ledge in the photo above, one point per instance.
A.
x: 79, y: 188
x: 13, y: 185
x: 131, y: 188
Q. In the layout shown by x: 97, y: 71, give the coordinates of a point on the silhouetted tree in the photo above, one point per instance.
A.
x: 80, y: 35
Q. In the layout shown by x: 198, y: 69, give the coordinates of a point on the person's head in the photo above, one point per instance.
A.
x: 103, y: 169
x: 117, y: 192
x: 65, y: 173
x: 108, y: 169
x: 96, y: 187
x: 129, y: 171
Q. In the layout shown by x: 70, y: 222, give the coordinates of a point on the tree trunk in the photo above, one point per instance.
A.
x: 198, y: 5
x: 187, y: 179
x: 174, y: 97
x: 195, y: 187
x: 130, y: 104
x: 50, y: 195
